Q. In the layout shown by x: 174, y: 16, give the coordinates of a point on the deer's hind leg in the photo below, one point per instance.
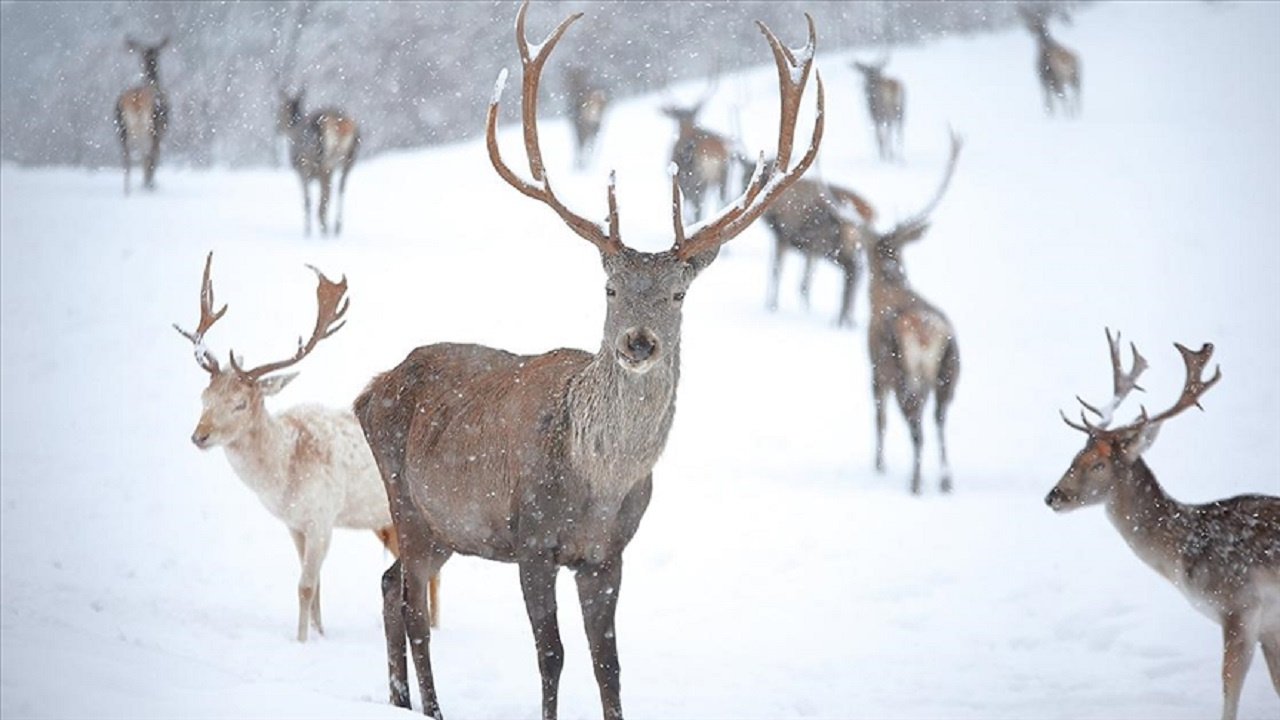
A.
x: 944, y: 391
x: 326, y: 182
x: 1271, y: 652
x: 419, y: 565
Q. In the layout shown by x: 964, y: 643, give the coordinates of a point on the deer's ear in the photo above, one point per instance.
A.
x: 275, y: 383
x: 699, y: 262
x: 910, y: 234
x: 1141, y: 441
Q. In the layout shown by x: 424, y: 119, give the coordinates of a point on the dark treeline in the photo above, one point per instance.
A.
x: 413, y: 74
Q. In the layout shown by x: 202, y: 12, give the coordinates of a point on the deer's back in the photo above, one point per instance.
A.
x: 467, y: 435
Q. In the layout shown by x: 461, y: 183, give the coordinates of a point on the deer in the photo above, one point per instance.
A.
x: 321, y: 144
x: 1057, y: 66
x: 142, y: 114
x: 703, y: 157
x: 811, y: 218
x: 546, y: 461
x: 885, y: 103
x: 587, y: 104
x: 309, y: 465
x: 911, y: 343
x: 1224, y: 556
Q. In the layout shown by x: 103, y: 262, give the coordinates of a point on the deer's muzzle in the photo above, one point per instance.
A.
x: 637, y: 349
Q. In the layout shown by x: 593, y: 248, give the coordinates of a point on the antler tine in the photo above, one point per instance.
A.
x: 793, y: 76
x: 1194, y: 386
x: 332, y: 304
x: 208, y: 317
x: 1122, y: 383
x: 957, y: 143
x: 532, y: 61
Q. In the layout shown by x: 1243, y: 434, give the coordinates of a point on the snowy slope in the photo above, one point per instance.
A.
x: 776, y: 575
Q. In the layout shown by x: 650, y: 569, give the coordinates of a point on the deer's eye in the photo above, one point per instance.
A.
x: 678, y: 297
x: 1097, y: 466
x: 610, y: 292
x: 240, y: 406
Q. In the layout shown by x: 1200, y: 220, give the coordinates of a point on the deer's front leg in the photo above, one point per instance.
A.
x: 315, y: 548
x: 598, y: 588
x: 538, y: 581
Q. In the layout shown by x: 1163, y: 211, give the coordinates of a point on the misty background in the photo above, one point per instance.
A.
x: 412, y: 74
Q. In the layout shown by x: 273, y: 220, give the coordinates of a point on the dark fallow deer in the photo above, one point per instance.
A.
x: 812, y: 218
x: 547, y: 460
x: 309, y: 465
x: 886, y: 101
x: 911, y: 343
x: 1224, y: 555
x: 587, y: 103
x: 321, y: 144
x: 703, y: 159
x: 1057, y: 67
x: 142, y: 115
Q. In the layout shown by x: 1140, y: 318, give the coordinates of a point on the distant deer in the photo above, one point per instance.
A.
x: 1057, y: 66
x: 587, y: 104
x: 321, y: 144
x: 811, y: 218
x: 885, y: 103
x: 1224, y: 555
x: 703, y: 158
x: 309, y: 465
x: 911, y: 343
x: 547, y: 460
x: 142, y: 114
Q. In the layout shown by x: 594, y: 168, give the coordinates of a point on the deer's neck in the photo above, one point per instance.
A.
x: 889, y: 286
x: 619, y: 421
x: 260, y: 456
x: 1153, y: 524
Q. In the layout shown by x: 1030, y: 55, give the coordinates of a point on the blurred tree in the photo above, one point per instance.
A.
x: 412, y: 73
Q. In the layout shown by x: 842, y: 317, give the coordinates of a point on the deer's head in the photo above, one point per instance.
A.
x: 234, y: 400
x: 645, y: 290
x: 873, y: 73
x: 150, y: 55
x: 1109, y: 455
x: 289, y: 113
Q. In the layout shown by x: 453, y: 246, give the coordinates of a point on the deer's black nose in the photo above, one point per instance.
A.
x: 640, y: 345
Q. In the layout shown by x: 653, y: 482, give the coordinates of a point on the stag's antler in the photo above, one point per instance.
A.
x: 329, y: 295
x: 793, y: 75
x: 1193, y: 387
x: 531, y: 68
x: 208, y: 317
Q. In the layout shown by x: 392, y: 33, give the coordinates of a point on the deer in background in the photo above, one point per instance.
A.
x: 1057, y: 67
x: 911, y: 343
x: 812, y: 218
x: 547, y: 460
x: 321, y: 143
x: 587, y: 104
x: 142, y: 114
x: 703, y: 158
x: 309, y: 465
x: 1224, y: 555
x: 885, y: 102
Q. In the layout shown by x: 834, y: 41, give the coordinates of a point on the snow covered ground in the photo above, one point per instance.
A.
x: 776, y: 575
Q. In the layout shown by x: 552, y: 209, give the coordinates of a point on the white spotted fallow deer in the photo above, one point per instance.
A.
x: 587, y: 103
x: 321, y: 144
x: 911, y: 343
x: 886, y: 101
x: 547, y: 460
x: 1057, y: 67
x: 142, y: 115
x: 309, y: 465
x: 1224, y: 555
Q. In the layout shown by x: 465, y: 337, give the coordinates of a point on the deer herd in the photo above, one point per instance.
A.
x: 546, y: 461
